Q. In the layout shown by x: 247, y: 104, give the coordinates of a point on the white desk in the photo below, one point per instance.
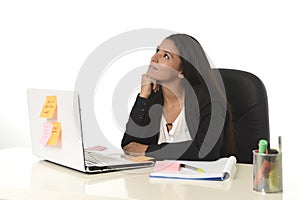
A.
x: 29, y: 178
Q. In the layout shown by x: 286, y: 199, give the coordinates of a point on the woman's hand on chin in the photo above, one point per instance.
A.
x: 148, y: 84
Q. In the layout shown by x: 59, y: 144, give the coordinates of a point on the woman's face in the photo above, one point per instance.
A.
x: 165, y: 63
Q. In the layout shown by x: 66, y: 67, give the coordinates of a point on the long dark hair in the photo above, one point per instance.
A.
x: 193, y: 61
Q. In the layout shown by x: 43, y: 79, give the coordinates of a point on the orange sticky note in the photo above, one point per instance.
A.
x: 56, y: 131
x: 140, y: 158
x: 49, y: 107
x: 47, y: 130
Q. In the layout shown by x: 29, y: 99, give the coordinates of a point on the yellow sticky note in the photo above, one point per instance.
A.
x: 56, y: 131
x: 49, y: 107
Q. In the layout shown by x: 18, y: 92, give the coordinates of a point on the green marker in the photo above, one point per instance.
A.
x: 263, y: 145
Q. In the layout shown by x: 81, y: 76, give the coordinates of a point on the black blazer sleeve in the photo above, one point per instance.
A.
x: 143, y: 123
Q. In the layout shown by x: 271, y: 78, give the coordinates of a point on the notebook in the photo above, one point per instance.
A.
x: 57, y: 135
x: 219, y: 170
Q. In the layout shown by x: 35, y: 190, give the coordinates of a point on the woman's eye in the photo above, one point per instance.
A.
x: 166, y: 56
x: 157, y: 50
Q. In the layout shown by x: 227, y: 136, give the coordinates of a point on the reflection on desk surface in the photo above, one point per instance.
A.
x: 49, y: 176
x: 136, y: 184
x: 29, y: 178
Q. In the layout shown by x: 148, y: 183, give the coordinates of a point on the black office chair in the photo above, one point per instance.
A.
x: 247, y: 96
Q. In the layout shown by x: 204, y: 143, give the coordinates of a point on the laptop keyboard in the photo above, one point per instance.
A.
x: 96, y: 158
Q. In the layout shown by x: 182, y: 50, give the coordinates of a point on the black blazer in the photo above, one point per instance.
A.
x: 144, y: 124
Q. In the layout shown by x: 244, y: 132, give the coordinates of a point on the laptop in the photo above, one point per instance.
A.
x: 57, y: 136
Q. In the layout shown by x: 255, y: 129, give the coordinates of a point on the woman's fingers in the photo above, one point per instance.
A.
x: 148, y: 84
x: 155, y: 87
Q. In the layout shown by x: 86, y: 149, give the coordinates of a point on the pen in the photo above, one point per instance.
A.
x: 263, y: 145
x: 192, y: 168
x: 279, y: 143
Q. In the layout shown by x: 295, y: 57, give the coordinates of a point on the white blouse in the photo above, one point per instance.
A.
x: 178, y: 133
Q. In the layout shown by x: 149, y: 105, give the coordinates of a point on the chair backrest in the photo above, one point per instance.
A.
x: 247, y: 96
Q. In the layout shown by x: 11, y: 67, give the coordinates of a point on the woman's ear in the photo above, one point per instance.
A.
x: 180, y: 74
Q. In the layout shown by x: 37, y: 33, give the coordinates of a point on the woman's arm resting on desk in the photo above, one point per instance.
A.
x: 134, y: 148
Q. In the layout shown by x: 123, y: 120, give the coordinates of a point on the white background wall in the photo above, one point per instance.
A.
x: 44, y: 44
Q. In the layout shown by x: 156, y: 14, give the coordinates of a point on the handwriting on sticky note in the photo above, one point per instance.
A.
x: 56, y: 131
x: 49, y: 107
x: 167, y: 166
x: 47, y: 130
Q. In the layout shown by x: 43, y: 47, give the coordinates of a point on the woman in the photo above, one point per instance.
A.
x: 173, y: 116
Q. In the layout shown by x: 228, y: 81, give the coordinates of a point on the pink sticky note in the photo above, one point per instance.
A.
x: 96, y: 148
x: 47, y: 130
x: 166, y: 166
